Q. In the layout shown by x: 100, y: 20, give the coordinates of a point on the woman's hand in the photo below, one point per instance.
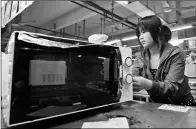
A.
x: 142, y: 83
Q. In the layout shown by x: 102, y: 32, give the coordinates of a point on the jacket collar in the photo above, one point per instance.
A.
x: 167, y: 52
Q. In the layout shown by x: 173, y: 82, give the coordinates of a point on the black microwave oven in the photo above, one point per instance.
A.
x: 50, y: 76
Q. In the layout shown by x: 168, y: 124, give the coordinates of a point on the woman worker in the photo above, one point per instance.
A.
x: 160, y: 67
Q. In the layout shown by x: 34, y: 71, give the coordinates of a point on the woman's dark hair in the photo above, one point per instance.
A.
x: 166, y: 33
x: 161, y: 34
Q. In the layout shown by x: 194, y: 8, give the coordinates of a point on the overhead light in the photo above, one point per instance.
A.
x: 102, y: 58
x: 129, y: 38
x: 190, y: 38
x: 135, y: 37
x: 124, y: 39
x: 123, y: 2
x: 174, y: 29
x: 176, y: 42
x: 112, y: 42
x: 182, y: 28
x: 135, y: 46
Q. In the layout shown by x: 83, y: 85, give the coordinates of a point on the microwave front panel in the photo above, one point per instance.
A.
x: 49, y: 81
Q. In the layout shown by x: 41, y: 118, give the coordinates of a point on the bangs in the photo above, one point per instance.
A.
x: 141, y: 27
x: 150, y: 24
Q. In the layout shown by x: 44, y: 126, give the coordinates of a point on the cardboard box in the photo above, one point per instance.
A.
x: 190, y: 70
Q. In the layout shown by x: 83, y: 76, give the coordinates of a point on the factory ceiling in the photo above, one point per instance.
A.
x: 80, y: 19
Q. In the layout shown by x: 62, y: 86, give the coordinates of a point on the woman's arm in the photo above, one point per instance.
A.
x: 136, y: 72
x: 136, y: 67
x: 175, y: 76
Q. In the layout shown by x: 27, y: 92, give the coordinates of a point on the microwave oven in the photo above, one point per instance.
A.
x: 47, y: 76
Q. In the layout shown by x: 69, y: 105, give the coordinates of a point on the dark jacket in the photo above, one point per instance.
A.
x: 170, y: 85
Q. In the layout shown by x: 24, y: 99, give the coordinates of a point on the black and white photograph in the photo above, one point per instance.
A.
x: 98, y: 64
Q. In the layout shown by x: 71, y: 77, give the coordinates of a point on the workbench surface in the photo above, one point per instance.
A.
x: 140, y: 114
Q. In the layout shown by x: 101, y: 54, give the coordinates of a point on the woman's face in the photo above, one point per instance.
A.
x: 146, y: 39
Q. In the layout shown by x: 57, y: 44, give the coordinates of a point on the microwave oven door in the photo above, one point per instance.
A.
x: 50, y: 81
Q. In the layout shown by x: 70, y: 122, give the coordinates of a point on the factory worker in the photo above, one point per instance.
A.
x: 160, y: 68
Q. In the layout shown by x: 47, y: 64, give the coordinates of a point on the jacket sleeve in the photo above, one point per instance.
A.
x: 175, y: 76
